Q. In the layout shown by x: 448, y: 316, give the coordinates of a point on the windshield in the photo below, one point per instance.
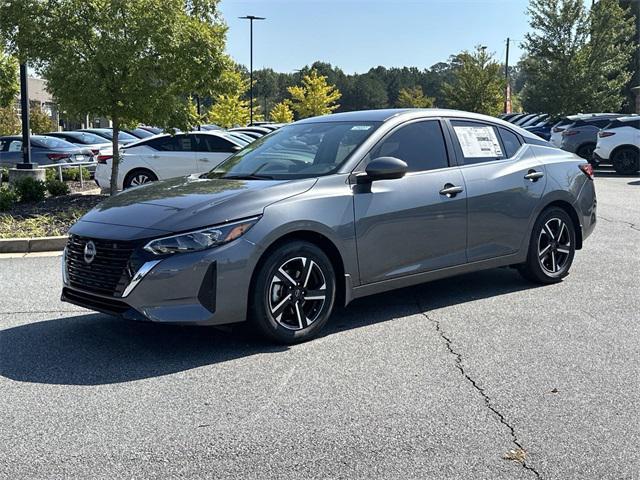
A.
x: 297, y: 151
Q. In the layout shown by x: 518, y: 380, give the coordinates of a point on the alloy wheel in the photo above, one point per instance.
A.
x: 297, y: 292
x: 554, y: 246
x: 140, y: 179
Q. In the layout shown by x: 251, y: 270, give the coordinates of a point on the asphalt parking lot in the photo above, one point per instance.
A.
x: 437, y: 381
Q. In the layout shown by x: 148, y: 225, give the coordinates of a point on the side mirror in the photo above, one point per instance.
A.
x: 236, y: 148
x: 386, y: 168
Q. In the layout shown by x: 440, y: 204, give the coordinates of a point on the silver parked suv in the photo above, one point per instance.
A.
x: 330, y: 209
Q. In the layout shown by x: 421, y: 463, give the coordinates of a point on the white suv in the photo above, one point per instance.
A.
x: 619, y: 145
x: 165, y: 156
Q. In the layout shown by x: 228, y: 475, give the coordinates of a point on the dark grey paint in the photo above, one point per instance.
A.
x: 390, y: 234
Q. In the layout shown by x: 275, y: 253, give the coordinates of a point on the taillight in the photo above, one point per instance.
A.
x: 58, y: 156
x: 103, y: 158
x: 568, y: 133
x: 605, y: 134
x: 587, y: 169
x: 557, y: 129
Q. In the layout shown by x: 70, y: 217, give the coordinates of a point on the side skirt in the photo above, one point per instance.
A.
x: 417, y: 278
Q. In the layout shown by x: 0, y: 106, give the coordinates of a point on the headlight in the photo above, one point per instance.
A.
x: 200, y: 239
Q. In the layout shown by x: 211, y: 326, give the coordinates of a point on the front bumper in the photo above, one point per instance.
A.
x: 201, y: 288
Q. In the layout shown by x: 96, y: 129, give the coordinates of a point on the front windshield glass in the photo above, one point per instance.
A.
x: 297, y: 151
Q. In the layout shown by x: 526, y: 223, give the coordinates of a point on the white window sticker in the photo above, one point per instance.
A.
x: 361, y: 127
x: 478, y: 142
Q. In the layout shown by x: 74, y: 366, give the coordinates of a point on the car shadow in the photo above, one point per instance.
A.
x: 96, y: 349
x: 635, y: 182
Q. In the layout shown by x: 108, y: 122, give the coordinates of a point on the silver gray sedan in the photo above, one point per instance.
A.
x: 330, y: 209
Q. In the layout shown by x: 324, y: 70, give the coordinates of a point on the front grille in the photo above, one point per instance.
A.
x: 107, y: 274
x: 92, y: 302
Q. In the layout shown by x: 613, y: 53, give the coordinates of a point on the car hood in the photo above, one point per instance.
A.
x: 182, y: 204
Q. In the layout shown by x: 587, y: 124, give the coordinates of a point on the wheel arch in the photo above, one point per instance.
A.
x: 571, y: 211
x: 622, y: 147
x: 321, y: 241
x: 138, y: 168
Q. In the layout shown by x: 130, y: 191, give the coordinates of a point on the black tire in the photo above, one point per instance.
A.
x: 552, y: 247
x: 586, y: 151
x: 293, y: 307
x: 138, y: 177
x: 626, y: 161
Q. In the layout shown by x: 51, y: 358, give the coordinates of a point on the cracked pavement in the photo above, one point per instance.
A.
x: 436, y: 381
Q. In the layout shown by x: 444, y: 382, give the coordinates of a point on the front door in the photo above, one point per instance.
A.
x: 412, y: 225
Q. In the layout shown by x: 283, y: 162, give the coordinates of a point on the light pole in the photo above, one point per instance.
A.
x: 251, y: 18
x: 24, y: 108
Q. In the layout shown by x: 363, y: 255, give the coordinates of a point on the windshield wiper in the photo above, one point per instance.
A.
x: 249, y: 176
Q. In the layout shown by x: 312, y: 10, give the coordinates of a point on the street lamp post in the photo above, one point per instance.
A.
x: 24, y: 107
x: 251, y: 18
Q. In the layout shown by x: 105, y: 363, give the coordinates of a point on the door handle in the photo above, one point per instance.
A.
x: 451, y: 190
x: 203, y: 159
x: 533, y: 176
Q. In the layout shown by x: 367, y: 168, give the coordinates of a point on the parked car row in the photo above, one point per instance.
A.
x: 167, y: 156
x: 147, y: 154
x: 615, y: 136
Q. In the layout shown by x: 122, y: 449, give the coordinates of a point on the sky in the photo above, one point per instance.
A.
x: 357, y: 35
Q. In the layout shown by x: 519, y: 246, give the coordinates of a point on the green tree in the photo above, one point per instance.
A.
x: 413, y: 97
x: 128, y: 60
x: 314, y: 97
x: 576, y: 60
x: 9, y: 121
x: 8, y: 79
x: 367, y: 92
x: 281, y: 113
x: 39, y: 121
x: 610, y: 49
x: 477, y: 84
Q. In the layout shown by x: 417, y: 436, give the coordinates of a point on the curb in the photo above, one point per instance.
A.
x: 29, y: 245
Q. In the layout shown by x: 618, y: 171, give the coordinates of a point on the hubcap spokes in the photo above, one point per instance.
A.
x: 297, y: 293
x: 554, y: 246
x: 139, y: 180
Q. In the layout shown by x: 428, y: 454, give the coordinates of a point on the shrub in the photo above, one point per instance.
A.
x: 4, y: 175
x: 8, y: 198
x: 57, y: 188
x: 51, y: 174
x: 30, y: 190
x: 73, y: 174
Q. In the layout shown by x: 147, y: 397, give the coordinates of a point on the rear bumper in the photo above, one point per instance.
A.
x: 586, y: 207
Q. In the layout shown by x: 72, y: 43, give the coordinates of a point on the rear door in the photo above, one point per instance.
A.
x: 211, y: 150
x: 410, y: 225
x: 171, y: 156
x: 504, y: 183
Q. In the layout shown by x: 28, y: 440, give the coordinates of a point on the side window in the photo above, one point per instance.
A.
x: 510, y: 141
x: 477, y: 142
x: 421, y: 145
x: 15, y: 146
x: 178, y: 143
x: 213, y: 143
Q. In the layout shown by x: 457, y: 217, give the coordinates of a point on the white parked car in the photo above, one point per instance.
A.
x: 166, y: 156
x: 619, y: 145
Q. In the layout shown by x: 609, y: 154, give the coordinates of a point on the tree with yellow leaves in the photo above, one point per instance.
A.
x: 281, y: 112
x: 314, y: 97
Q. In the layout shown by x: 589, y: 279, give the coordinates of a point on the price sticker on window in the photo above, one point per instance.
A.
x: 478, y: 142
